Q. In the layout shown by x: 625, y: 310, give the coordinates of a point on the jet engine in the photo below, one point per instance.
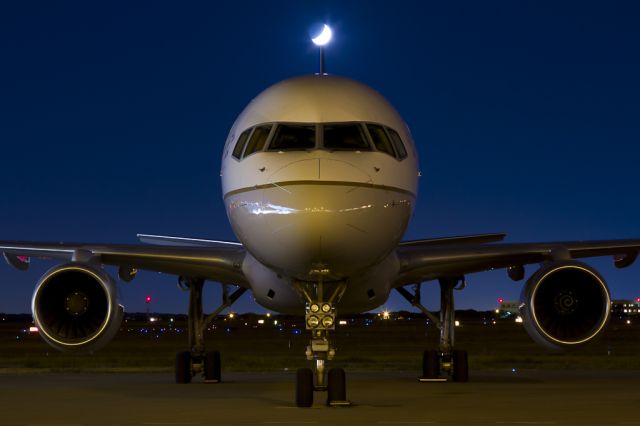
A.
x: 565, y: 304
x: 75, y: 307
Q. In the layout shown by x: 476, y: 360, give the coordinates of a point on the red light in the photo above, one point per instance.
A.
x: 500, y: 300
x: 147, y: 299
x: 638, y: 299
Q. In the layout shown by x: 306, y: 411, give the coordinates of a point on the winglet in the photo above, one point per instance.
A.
x: 21, y: 263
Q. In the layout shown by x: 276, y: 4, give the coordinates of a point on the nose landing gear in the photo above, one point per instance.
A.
x: 320, y: 319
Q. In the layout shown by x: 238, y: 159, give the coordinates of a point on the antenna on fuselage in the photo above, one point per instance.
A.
x: 321, y: 39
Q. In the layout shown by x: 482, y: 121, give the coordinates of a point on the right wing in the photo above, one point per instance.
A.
x: 221, y: 263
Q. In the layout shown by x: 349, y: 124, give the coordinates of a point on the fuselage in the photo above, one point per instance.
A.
x: 319, y: 178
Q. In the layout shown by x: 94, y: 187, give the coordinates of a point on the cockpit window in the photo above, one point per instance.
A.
x: 380, y: 139
x: 242, y: 140
x: 293, y: 138
x: 348, y: 137
x: 397, y: 144
x: 258, y: 139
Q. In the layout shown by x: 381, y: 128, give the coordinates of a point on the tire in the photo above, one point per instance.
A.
x: 212, y: 367
x: 430, y: 365
x: 460, y: 366
x: 336, y: 385
x: 304, y: 387
x: 183, y: 367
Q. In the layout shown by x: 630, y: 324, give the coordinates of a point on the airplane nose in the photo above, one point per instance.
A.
x: 320, y: 169
x: 329, y: 215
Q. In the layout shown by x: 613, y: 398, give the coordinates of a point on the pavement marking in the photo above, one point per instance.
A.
x: 289, y: 422
x: 170, y: 423
x: 396, y: 422
x: 530, y: 422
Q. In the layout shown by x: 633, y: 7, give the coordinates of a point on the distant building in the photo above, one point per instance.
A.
x: 510, y: 307
x: 622, y: 308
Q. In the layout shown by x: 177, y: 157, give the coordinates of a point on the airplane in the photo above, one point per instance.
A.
x: 320, y: 177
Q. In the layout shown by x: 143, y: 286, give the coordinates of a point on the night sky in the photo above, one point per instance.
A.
x: 113, y: 117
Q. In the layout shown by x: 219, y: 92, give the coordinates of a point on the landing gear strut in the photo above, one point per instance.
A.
x: 320, y: 319
x: 196, y: 360
x: 445, y: 362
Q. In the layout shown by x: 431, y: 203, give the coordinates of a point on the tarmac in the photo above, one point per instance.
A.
x: 385, y: 398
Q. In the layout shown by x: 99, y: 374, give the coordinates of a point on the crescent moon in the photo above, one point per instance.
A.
x: 324, y: 37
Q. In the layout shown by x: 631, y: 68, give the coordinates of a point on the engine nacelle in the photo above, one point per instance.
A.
x: 75, y: 307
x: 565, y: 304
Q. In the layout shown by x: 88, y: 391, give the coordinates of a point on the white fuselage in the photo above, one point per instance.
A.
x: 331, y: 205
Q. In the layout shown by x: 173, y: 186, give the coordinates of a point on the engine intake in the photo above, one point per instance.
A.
x: 565, y: 304
x: 75, y: 307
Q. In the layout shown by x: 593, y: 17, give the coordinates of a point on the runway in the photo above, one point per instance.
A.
x: 389, y: 398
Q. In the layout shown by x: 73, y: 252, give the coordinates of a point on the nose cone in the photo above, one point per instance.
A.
x: 330, y: 217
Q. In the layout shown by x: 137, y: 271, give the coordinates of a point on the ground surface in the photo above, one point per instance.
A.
x: 490, y: 398
x: 130, y: 382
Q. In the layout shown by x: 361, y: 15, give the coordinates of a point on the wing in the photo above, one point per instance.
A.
x: 217, y: 262
x: 426, y: 261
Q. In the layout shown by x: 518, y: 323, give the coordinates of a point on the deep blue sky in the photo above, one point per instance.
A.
x: 113, y: 116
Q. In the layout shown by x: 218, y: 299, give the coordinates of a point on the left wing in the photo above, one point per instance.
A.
x: 221, y: 262
x: 424, y: 262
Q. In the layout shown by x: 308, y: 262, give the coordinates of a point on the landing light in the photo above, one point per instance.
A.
x: 327, y: 321
x: 313, y: 321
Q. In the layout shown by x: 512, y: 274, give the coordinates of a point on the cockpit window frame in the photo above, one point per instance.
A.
x: 277, y: 127
x: 266, y: 142
x: 400, y: 152
x: 241, y: 143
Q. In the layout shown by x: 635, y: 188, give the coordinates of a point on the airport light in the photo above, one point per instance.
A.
x: 232, y: 315
x: 457, y: 323
x: 385, y: 315
x: 519, y: 320
x: 33, y: 329
x: 260, y: 321
x: 321, y: 38
x: 500, y: 300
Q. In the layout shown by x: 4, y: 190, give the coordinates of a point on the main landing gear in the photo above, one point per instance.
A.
x: 196, y: 360
x: 320, y: 319
x: 445, y: 362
